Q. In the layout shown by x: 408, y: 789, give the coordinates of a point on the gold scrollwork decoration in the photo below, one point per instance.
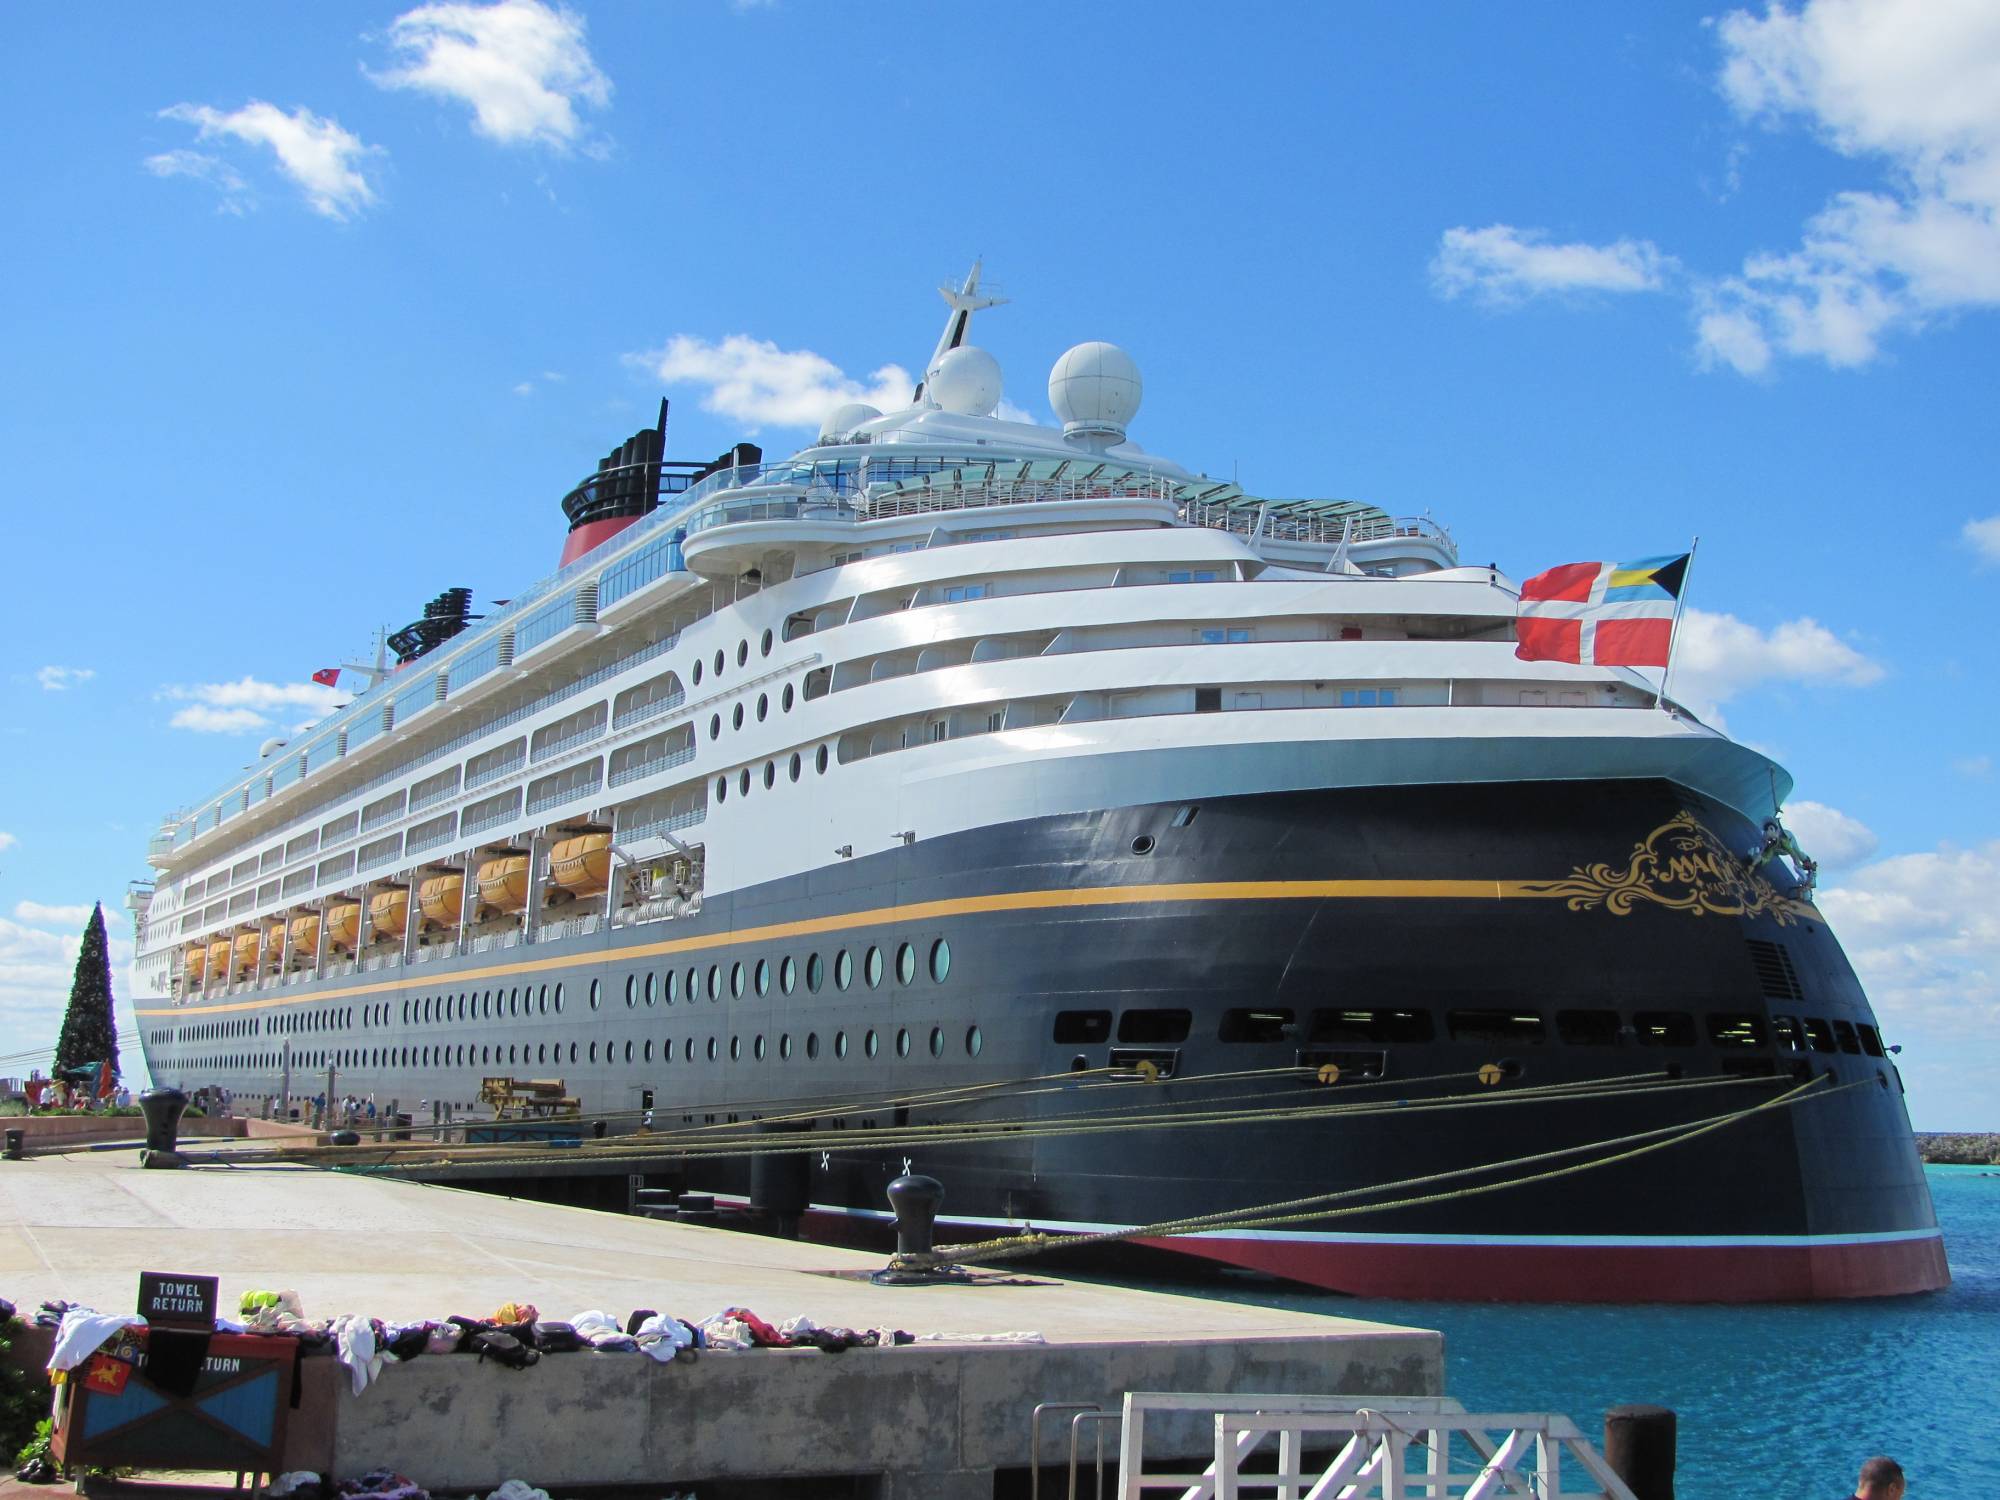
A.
x: 1682, y: 866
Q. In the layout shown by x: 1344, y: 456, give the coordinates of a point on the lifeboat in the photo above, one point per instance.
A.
x: 194, y: 962
x: 218, y: 958
x: 503, y: 883
x: 243, y: 958
x: 305, y: 937
x: 389, y: 912
x: 582, y: 865
x: 274, y: 942
x: 343, y: 925
x: 442, y: 898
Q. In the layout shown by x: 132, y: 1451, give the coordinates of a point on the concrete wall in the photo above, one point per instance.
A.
x: 43, y: 1131
x: 453, y: 1423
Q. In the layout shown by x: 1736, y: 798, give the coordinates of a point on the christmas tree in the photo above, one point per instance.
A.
x: 89, y: 1031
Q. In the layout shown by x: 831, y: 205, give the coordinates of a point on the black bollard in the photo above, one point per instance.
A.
x: 163, y: 1109
x: 915, y: 1200
x: 17, y: 1144
x: 696, y: 1208
x: 344, y: 1138
x: 1639, y: 1447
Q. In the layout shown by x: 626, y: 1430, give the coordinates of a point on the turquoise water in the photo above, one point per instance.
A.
x: 1773, y: 1401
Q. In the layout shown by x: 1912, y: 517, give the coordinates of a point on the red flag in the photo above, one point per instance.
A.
x: 1601, y: 613
x: 327, y: 676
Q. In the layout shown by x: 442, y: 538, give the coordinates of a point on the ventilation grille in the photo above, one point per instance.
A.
x: 1775, y: 974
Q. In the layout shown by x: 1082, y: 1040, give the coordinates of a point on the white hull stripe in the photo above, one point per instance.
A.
x: 1317, y: 1237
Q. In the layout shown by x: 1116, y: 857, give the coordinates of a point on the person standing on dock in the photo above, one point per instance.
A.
x: 1881, y: 1479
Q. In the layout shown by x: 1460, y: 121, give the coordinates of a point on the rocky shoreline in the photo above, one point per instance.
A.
x: 1949, y: 1149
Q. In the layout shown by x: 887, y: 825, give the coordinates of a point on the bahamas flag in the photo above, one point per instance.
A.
x: 1604, y: 614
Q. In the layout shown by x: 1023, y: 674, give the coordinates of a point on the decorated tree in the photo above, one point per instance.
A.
x: 89, y: 1031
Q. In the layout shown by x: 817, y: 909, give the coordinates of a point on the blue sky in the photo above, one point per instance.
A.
x: 308, y: 313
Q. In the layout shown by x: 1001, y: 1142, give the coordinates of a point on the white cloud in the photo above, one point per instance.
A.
x: 1984, y: 538
x: 1829, y: 835
x: 521, y: 65
x: 1503, y: 264
x: 525, y: 388
x: 36, y: 969
x: 322, y: 159
x: 1977, y: 767
x: 1718, y: 657
x: 7, y: 841
x: 44, y: 916
x: 1906, y: 83
x: 61, y: 679
x: 759, y: 384
x: 213, y: 170
x: 245, y: 704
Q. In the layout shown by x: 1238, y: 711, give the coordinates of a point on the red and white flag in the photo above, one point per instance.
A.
x: 1601, y: 614
x: 327, y: 676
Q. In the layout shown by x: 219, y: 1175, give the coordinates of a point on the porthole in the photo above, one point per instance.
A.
x: 697, y: 670
x: 757, y: 1047
x: 648, y: 1049
x: 572, y: 1051
x: 1143, y: 844
x: 736, y: 980
x: 788, y: 974
x: 937, y: 1041
x: 722, y: 789
x: 871, y: 1044
x: 667, y: 1050
x: 785, y: 698
x: 628, y: 1052
x: 718, y: 663
x: 812, y: 1045
x: 940, y: 960
x: 871, y: 967
x: 974, y: 1042
x: 542, y: 1000
x: 631, y: 986
x: 559, y: 1000
x: 693, y: 985
x: 902, y: 1041
x: 906, y: 963
x: 843, y: 969
x: 819, y: 760
x: 795, y: 765
x: 735, y: 1048
x: 742, y: 652
x: 711, y: 1049
x: 715, y: 982
x: 770, y: 774
x: 510, y: 1056
x: 762, y: 976
x: 815, y: 973
x: 715, y: 726
x: 763, y: 706
x: 649, y: 987
x: 743, y: 781
x: 673, y: 985
x: 785, y: 1046
x: 736, y: 717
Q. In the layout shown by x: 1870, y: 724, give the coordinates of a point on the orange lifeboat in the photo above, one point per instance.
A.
x: 582, y: 865
x: 243, y: 958
x: 442, y: 898
x: 194, y: 962
x: 389, y: 912
x: 218, y: 958
x: 343, y: 925
x: 274, y: 942
x: 503, y: 883
x: 305, y: 937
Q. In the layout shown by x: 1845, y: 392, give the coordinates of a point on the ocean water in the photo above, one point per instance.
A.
x: 1773, y: 1401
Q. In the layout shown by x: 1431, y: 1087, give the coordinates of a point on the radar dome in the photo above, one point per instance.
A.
x: 842, y: 420
x: 966, y: 381
x: 1095, y: 388
x: 270, y: 747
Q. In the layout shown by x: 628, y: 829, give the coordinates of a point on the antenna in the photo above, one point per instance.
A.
x: 963, y: 301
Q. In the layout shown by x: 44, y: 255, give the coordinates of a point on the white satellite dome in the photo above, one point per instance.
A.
x: 1095, y: 389
x: 843, y: 419
x: 965, y: 381
x: 270, y: 747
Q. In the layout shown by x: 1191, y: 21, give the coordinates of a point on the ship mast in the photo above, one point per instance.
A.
x: 964, y: 301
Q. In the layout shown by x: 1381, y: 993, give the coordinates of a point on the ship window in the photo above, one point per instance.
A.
x: 1871, y: 1040
x: 715, y: 982
x: 763, y: 976
x: 673, y: 985
x: 1495, y: 1026
x: 559, y: 1000
x: 742, y: 652
x: 763, y: 706
x: 1588, y: 1028
x: 871, y: 967
x: 736, y: 980
x: 796, y: 763
x: 1849, y: 1042
x: 1371, y: 1026
x: 649, y: 988
x: 785, y: 1045
x: 1664, y: 1028
x: 785, y: 698
x: 840, y: 1044
x: 666, y: 1050
x: 940, y: 961
x: 815, y: 973
x: 1208, y: 700
x: 756, y: 1047
x: 736, y: 717
x: 764, y: 646
x: 711, y: 1049
x: 975, y: 1043
x: 1819, y: 1034
x: 906, y: 963
x: 647, y: 1051
x: 631, y: 983
x: 715, y: 726
x: 743, y: 781
x: 1244, y: 1025
x: 843, y: 969
x: 903, y: 1041
x: 697, y: 669
x: 788, y: 974
x: 1166, y: 1025
x: 1082, y: 1026
x: 1729, y: 1030
x: 542, y: 1000
x: 735, y: 1048
x: 1223, y: 637
x: 722, y: 789
x: 1785, y: 1031
x: 819, y: 760
x: 812, y: 1045
x: 718, y: 663
x: 937, y: 1041
x: 770, y: 775
x: 628, y: 1052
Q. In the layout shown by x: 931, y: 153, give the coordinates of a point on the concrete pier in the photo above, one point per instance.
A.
x: 933, y: 1418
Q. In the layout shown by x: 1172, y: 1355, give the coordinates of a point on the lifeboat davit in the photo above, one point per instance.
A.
x: 503, y: 883
x: 244, y: 955
x: 194, y: 962
x: 582, y: 865
x: 442, y: 898
x: 218, y: 957
x: 305, y: 936
x: 343, y: 925
x: 389, y: 912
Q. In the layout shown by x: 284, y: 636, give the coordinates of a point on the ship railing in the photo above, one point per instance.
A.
x: 381, y: 961
x: 582, y: 925
x: 917, y: 497
x: 568, y: 742
x: 487, y: 775
x: 644, y: 711
x: 640, y: 769
x: 1324, y: 530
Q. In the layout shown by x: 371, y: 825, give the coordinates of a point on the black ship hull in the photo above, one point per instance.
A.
x: 1525, y: 1029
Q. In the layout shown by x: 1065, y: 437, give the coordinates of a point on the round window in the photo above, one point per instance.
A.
x: 788, y: 974
x: 812, y: 1045
x: 711, y: 1049
x: 735, y: 1048
x: 667, y: 1050
x: 715, y: 981
x: 840, y: 1044
x: 815, y: 973
x: 785, y: 1045
x: 628, y: 1052
x: 693, y: 985
x: 764, y: 646
x: 722, y: 789
x: 736, y: 981
x: 673, y: 985
x: 903, y: 1042
x: 631, y: 980
x: 770, y: 775
x: 974, y: 1042
x: 697, y: 670
x: 940, y: 960
x: 649, y: 988
x: 843, y: 969
x: 763, y: 706
x: 795, y: 765
x: 559, y: 1000
x: 819, y: 760
x: 937, y: 1041
x: 743, y: 781
x: 785, y: 698
x: 649, y: 1049
x: 871, y: 967
x: 871, y: 1044
x: 762, y: 976
x: 906, y: 963
x: 742, y: 652
x: 715, y: 726
x: 736, y: 717
x: 757, y: 1047
x: 718, y: 663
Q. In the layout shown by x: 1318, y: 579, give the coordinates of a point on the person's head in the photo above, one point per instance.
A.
x: 1881, y: 1479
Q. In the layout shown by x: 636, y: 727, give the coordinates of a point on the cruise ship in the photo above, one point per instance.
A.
x: 1009, y: 803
